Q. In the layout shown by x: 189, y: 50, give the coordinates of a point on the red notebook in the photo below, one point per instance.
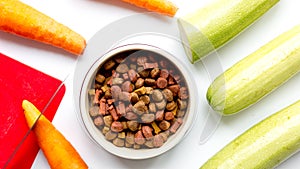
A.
x: 18, y: 147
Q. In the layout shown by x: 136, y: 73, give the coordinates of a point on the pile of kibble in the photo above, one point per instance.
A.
x: 138, y: 99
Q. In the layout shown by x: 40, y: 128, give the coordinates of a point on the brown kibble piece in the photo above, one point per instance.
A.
x: 183, y: 93
x: 152, y: 107
x: 180, y: 113
x: 91, y: 92
x: 148, y: 90
x: 157, y: 95
x: 141, y: 60
x: 158, y: 141
x: 122, y: 68
x: 145, y: 99
x: 161, y: 83
x: 150, y: 82
x: 98, y: 121
x: 139, y: 104
x: 171, y: 80
x: 139, y: 83
x: 175, y: 89
x: 120, y: 57
x: 139, y: 138
x: 105, y: 130
x: 129, y: 108
x: 121, y: 109
x: 176, y: 125
x: 132, y: 75
x: 140, y: 107
x: 149, y: 143
x: 116, y: 126
x: 159, y: 116
x: 165, y: 135
x: 115, y: 90
x: 174, y: 111
x: 182, y: 104
x: 163, y: 64
x: 139, y: 69
x: 110, y: 135
x: 144, y: 73
x: 127, y: 86
x: 94, y: 111
x: 109, y: 64
x: 124, y: 125
x: 121, y: 135
x: 117, y: 81
x: 104, y: 88
x: 161, y: 105
x: 169, y: 115
x: 133, y: 125
x: 171, y: 106
x: 100, y: 78
x: 132, y: 66
x: 150, y: 65
x: 164, y: 125
x: 148, y: 118
x: 134, y: 97
x: 124, y: 96
x: 129, y: 138
x: 119, y: 142
x: 131, y: 116
x: 107, y: 94
x: 155, y: 73
x: 168, y: 94
x: 147, y: 132
x: 164, y: 73
x: 136, y: 146
x: 127, y: 145
x: 107, y: 120
x: 125, y: 76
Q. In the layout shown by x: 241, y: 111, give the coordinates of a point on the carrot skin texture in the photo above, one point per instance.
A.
x: 160, y: 6
x: 21, y: 19
x: 58, y: 151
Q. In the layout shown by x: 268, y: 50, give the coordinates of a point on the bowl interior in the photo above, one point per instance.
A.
x: 131, y: 153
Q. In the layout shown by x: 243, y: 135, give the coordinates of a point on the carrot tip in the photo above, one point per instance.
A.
x: 31, y: 113
x: 164, y: 7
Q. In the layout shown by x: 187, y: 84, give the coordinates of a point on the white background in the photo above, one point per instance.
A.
x: 88, y: 16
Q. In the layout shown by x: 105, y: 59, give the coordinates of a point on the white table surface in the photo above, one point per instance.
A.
x: 88, y: 16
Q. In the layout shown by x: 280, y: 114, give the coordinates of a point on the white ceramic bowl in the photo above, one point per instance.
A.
x: 131, y: 153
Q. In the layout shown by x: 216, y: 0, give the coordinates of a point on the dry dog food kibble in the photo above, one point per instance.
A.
x: 138, y: 99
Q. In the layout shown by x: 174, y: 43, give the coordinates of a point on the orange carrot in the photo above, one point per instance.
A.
x: 59, y: 152
x: 161, y: 6
x: 23, y: 20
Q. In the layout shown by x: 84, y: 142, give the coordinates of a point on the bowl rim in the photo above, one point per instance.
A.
x: 130, y: 153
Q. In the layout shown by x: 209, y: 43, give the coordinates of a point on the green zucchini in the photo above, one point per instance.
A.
x: 256, y: 75
x: 210, y: 27
x: 265, y: 145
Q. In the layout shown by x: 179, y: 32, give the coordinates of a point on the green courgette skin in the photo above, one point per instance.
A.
x: 211, y: 27
x: 264, y: 145
x: 252, y: 78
